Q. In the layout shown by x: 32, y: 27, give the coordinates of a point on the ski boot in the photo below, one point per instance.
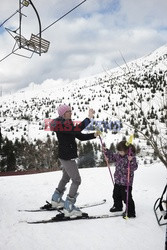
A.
x: 115, y: 209
x: 70, y: 210
x: 57, y: 201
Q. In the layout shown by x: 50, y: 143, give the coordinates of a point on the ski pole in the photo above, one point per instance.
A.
x: 128, y: 180
x: 106, y: 159
x: 129, y: 142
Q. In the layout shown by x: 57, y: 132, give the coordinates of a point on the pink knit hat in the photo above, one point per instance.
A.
x: 62, y: 109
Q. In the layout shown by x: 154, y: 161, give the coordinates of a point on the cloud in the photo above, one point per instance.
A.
x: 84, y: 42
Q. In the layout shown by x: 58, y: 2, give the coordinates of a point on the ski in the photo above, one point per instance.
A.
x: 48, y: 207
x: 61, y: 218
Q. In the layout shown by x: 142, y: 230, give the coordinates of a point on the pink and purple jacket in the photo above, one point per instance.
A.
x: 121, y: 167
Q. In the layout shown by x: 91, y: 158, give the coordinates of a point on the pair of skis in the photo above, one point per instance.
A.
x: 60, y: 216
x: 48, y: 207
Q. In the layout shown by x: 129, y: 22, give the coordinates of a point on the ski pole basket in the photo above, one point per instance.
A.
x: 160, y: 208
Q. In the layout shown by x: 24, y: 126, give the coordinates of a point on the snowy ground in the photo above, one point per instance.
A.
x: 31, y: 191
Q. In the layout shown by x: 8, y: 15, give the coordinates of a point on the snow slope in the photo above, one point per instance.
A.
x: 31, y: 191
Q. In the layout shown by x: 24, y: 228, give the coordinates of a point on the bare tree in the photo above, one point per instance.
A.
x: 145, y: 101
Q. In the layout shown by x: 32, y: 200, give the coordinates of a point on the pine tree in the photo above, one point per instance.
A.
x: 112, y: 147
x: 0, y: 138
x: 9, y: 160
x: 87, y: 157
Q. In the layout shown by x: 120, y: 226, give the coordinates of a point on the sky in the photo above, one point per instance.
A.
x: 97, y: 36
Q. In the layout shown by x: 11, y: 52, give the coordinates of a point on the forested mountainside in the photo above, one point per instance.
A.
x: 131, y: 98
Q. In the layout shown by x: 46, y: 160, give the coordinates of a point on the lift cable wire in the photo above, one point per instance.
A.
x: 11, y: 16
x: 63, y: 16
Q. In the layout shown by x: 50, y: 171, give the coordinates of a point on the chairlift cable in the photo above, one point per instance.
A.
x: 63, y: 16
x: 10, y: 16
x: 8, y: 55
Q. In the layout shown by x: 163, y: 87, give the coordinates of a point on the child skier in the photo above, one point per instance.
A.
x: 122, y: 159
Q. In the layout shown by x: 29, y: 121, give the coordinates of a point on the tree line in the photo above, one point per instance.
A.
x: 22, y: 155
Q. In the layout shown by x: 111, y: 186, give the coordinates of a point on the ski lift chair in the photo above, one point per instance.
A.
x: 35, y: 44
x: 160, y: 208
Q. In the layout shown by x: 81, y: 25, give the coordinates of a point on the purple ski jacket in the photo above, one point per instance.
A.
x: 121, y: 167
